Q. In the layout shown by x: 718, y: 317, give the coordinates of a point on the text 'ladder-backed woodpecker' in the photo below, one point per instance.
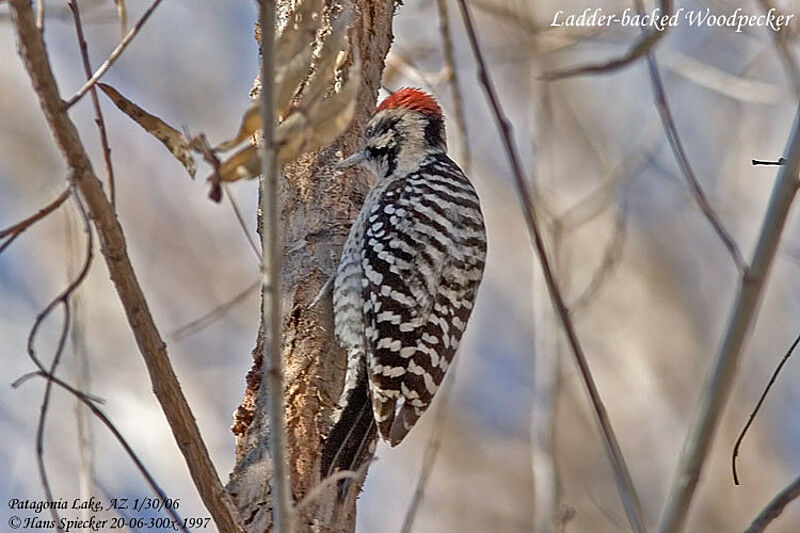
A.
x: 407, y: 279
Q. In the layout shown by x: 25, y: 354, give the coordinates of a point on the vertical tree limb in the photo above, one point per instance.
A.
x: 318, y: 206
x: 272, y: 250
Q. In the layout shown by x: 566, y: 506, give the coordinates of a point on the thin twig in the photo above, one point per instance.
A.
x: 16, y: 230
x: 775, y: 507
x: 86, y: 471
x: 740, y: 322
x: 63, y: 300
x: 641, y: 48
x: 611, y: 258
x: 431, y: 450
x: 671, y: 130
x: 242, y: 224
x: 758, y: 407
x: 89, y: 402
x: 122, y: 13
x: 165, y: 384
x: 278, y: 486
x: 212, y: 316
x: 683, y: 162
x: 98, y: 113
x: 548, y: 347
x: 630, y: 499
x: 787, y: 57
x: 455, y: 90
x: 330, y: 481
x: 123, y: 44
x: 40, y: 15
x: 779, y: 162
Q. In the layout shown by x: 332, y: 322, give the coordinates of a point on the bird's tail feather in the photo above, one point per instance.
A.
x: 348, y: 444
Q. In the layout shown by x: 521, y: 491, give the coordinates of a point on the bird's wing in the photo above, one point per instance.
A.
x: 422, y: 262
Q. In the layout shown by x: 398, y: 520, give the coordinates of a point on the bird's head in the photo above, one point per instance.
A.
x: 405, y: 128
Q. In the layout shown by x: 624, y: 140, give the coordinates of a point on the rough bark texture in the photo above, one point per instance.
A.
x: 318, y: 208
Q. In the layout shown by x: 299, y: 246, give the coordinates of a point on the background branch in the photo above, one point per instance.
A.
x: 98, y: 113
x: 114, y: 55
x: 16, y: 230
x: 741, y: 319
x: 775, y: 507
x: 113, y: 247
x: 630, y: 499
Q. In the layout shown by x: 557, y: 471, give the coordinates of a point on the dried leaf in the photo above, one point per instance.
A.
x: 251, y: 123
x: 122, y: 14
x: 319, y: 117
x: 242, y: 165
x: 333, y: 114
x: 300, y: 31
x: 329, y: 58
x: 320, y: 124
x: 174, y: 140
x: 288, y: 78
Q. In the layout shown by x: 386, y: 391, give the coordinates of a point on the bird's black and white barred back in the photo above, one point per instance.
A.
x: 407, y: 279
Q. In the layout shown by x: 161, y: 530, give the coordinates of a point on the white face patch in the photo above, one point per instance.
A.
x: 397, y: 133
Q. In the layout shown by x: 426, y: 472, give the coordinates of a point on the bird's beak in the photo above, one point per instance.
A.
x: 353, y: 160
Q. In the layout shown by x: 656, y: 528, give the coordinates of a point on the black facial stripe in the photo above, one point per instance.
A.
x: 434, y: 132
x: 386, y: 154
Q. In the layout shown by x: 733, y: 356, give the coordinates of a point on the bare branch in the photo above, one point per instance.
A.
x: 212, y: 316
x: 725, y: 83
x: 89, y: 402
x: 779, y: 162
x: 242, y: 224
x: 123, y: 44
x: 63, y: 300
x: 611, y: 258
x: 455, y: 91
x: 98, y: 113
x: 331, y: 481
x: 16, y: 230
x: 630, y: 499
x: 683, y: 162
x: 431, y: 450
x: 740, y: 322
x: 272, y: 249
x: 785, y: 53
x: 775, y: 507
x: 113, y: 246
x: 122, y: 13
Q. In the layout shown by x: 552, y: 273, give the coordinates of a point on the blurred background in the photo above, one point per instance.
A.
x: 649, y: 281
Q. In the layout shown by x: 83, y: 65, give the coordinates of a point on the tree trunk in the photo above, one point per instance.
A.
x: 318, y: 206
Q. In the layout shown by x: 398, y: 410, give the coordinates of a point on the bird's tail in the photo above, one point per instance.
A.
x: 348, y: 444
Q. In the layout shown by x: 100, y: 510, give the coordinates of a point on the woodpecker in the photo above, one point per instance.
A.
x: 407, y: 279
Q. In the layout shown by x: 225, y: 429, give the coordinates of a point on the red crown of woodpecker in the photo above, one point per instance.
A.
x: 413, y: 99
